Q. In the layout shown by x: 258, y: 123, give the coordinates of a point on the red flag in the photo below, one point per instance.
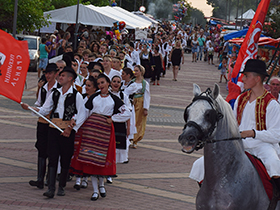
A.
x: 14, y: 63
x: 249, y: 48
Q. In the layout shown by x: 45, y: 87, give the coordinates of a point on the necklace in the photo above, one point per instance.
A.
x: 104, y: 94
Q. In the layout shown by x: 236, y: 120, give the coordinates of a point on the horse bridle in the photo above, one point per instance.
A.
x: 218, y: 115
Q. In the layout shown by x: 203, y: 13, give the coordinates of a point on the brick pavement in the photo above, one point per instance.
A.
x: 156, y: 176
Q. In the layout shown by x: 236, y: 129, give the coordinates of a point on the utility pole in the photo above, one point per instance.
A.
x: 76, y: 26
x: 15, y: 19
x: 236, y: 14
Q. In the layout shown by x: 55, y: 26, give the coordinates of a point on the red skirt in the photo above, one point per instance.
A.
x: 95, y: 148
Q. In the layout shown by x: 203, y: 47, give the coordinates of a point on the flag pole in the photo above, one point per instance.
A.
x: 37, y: 113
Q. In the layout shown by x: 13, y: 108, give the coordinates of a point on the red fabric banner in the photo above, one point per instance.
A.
x: 14, y: 63
x: 249, y: 48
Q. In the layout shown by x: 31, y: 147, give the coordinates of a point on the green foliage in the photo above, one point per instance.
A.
x: 273, y: 17
x: 196, y: 16
x: 30, y: 14
x: 96, y: 2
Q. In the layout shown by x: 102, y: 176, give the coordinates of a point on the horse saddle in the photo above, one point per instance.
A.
x: 266, y: 180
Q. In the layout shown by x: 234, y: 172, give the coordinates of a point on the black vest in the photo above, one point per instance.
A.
x: 69, y: 105
x: 44, y: 93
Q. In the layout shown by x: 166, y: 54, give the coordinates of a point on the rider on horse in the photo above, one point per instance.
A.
x: 258, y: 116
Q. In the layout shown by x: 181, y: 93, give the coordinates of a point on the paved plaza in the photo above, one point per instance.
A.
x: 156, y: 176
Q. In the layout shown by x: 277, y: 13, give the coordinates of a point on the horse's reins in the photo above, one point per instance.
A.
x: 218, y: 116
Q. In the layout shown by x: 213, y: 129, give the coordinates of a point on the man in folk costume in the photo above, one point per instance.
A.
x: 42, y: 125
x: 68, y: 113
x: 258, y: 115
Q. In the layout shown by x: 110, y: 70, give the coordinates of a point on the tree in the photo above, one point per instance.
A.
x: 196, y: 16
x: 272, y: 28
x: 30, y: 14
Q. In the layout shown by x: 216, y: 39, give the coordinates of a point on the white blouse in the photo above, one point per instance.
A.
x: 105, y: 106
x: 147, y: 97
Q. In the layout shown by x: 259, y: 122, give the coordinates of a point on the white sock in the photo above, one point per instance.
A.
x: 85, y: 178
x: 94, y: 184
x: 78, y: 180
x: 101, y: 185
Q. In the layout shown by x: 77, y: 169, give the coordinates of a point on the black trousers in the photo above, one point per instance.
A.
x: 42, y: 139
x: 59, y: 145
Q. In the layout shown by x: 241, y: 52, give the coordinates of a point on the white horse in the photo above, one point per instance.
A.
x: 230, y: 182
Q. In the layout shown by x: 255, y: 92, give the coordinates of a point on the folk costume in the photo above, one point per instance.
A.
x: 141, y: 101
x: 122, y: 142
x: 96, y: 155
x: 262, y: 115
x: 97, y: 151
x: 63, y: 108
x: 42, y: 135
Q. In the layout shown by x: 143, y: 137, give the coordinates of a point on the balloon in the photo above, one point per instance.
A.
x: 118, y: 34
x: 122, y: 25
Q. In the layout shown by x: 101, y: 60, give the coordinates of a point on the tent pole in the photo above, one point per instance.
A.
x: 236, y: 14
x: 76, y: 26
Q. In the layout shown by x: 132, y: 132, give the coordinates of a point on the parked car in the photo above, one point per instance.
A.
x: 33, y: 49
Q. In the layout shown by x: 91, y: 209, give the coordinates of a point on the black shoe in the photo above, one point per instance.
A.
x: 109, y: 180
x: 39, y: 185
x: 103, y: 195
x: 60, y: 191
x: 94, y: 196
x: 69, y: 178
x: 125, y: 162
x: 77, y: 186
x: 49, y: 194
x: 84, y: 184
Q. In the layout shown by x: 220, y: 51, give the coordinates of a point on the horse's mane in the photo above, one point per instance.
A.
x: 229, y: 119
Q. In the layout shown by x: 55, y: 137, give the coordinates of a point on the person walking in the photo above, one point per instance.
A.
x: 141, y: 102
x: 177, y: 57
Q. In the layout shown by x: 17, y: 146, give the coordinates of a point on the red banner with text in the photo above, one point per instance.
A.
x: 14, y: 63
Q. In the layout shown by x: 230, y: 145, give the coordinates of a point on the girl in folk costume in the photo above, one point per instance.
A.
x: 91, y: 88
x: 84, y: 74
x: 130, y: 88
x: 97, y: 152
x: 80, y: 79
x: 122, y: 130
x: 141, y: 102
x: 146, y: 59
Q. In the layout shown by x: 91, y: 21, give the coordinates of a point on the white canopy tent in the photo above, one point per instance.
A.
x: 123, y: 15
x: 144, y: 16
x: 91, y: 15
x: 248, y: 15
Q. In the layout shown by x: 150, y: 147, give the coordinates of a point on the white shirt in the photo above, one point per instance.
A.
x: 113, y: 73
x: 248, y: 122
x: 129, y: 90
x: 135, y: 57
x: 147, y: 97
x: 38, y: 102
x: 48, y: 105
x: 105, y: 106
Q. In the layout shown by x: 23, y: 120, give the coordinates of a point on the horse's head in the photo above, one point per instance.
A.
x: 201, y: 118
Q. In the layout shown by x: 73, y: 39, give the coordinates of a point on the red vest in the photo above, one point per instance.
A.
x: 260, y: 109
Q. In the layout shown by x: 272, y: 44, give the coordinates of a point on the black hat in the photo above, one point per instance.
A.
x: 91, y: 65
x: 68, y: 58
x: 70, y: 70
x: 131, y: 44
x: 255, y: 65
x: 51, y: 67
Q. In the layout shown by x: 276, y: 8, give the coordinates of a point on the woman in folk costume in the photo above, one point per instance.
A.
x: 141, y: 102
x: 129, y: 88
x: 97, y: 152
x: 91, y: 88
x: 122, y: 130
x: 146, y: 59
